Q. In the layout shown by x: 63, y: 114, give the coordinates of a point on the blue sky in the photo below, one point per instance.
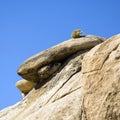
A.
x: 30, y: 26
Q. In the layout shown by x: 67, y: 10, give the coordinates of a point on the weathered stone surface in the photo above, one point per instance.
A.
x: 58, y: 99
x: 46, y: 71
x: 59, y: 110
x: 25, y: 86
x: 29, y: 69
x: 72, y: 94
x: 101, y: 81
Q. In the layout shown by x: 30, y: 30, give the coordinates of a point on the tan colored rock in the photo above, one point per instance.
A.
x: 29, y: 69
x: 59, y: 110
x: 101, y: 81
x: 25, y: 86
x: 72, y: 94
x: 58, y: 99
x: 46, y: 71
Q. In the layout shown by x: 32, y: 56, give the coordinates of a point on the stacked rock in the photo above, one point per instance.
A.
x: 41, y: 66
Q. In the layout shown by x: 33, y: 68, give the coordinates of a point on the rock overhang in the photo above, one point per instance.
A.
x: 29, y: 69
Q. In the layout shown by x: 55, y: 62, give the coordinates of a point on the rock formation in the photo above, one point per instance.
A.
x: 25, y: 86
x: 29, y: 69
x: 76, y: 80
x: 101, y: 81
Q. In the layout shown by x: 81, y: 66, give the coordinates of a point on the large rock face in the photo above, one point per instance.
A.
x: 70, y: 82
x: 101, y: 81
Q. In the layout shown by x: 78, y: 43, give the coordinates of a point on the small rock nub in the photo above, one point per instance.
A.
x: 76, y: 33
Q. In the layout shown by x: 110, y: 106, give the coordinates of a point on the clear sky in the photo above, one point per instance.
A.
x: 30, y: 26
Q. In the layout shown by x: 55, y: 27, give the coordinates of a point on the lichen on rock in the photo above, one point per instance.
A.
x: 76, y: 33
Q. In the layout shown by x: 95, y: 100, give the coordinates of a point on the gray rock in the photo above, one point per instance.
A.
x: 29, y: 69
